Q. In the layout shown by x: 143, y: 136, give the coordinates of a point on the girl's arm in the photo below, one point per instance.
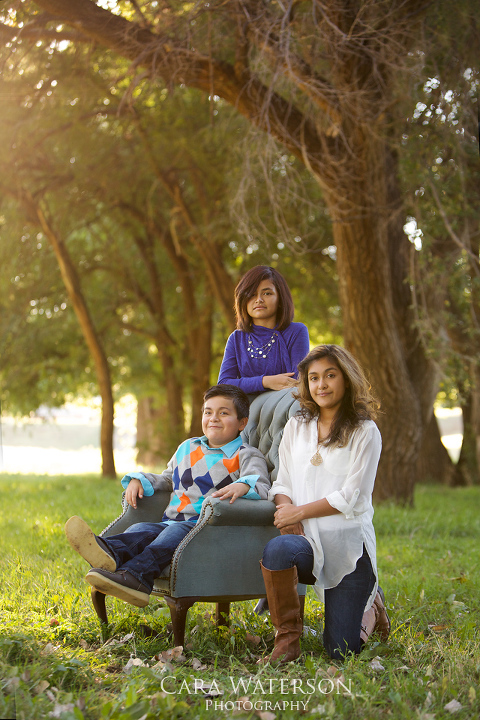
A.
x: 298, y: 345
x: 295, y: 528
x: 355, y: 495
x: 230, y: 372
x: 288, y: 514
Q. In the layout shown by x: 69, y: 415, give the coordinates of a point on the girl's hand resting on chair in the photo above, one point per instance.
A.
x: 234, y: 491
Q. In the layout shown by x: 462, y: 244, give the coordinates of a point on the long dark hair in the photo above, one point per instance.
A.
x: 247, y: 287
x: 358, y: 403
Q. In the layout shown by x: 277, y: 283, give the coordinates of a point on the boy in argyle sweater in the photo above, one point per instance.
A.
x: 218, y: 464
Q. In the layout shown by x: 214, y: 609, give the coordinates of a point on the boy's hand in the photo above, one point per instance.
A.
x: 134, y: 490
x: 234, y: 491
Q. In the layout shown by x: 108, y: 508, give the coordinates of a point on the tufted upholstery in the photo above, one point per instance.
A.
x: 218, y: 561
x: 269, y: 413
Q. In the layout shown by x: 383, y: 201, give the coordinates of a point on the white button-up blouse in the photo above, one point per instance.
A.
x: 345, y: 478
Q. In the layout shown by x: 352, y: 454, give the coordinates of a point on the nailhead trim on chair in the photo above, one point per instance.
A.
x: 124, y: 510
x: 201, y: 522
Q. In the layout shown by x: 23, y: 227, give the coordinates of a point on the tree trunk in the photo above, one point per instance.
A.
x: 102, y: 369
x: 375, y: 318
x: 173, y: 425
x: 201, y: 367
x: 151, y: 447
x: 468, y: 462
x: 434, y: 462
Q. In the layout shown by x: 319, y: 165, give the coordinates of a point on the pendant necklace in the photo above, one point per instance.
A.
x: 317, y: 458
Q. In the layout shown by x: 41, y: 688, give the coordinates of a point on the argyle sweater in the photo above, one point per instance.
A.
x: 197, y: 470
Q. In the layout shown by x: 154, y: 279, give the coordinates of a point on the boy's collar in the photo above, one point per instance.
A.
x: 229, y: 449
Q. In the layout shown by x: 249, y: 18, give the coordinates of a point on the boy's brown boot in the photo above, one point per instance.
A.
x: 285, y: 612
x: 376, y: 619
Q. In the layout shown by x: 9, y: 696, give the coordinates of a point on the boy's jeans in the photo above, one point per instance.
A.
x: 344, y: 604
x: 145, y: 549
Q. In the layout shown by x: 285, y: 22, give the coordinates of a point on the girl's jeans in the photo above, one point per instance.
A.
x: 344, y: 604
x: 145, y: 549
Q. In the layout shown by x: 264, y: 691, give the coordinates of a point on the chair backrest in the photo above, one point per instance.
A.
x: 269, y: 413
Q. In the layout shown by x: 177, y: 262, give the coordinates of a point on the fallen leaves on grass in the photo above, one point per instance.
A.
x: 173, y: 654
x: 59, y: 710
x: 11, y: 686
x: 114, y: 642
x: 41, y: 687
x: 376, y: 665
x: 437, y: 628
x: 453, y: 706
x: 133, y: 662
x: 49, y: 649
x: 197, y: 665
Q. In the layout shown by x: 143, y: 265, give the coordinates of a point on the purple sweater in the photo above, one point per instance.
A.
x: 240, y: 369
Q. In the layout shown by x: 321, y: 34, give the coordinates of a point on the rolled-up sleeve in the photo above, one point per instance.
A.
x: 254, y: 472
x: 354, y: 497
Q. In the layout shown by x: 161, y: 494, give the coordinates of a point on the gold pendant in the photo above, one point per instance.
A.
x: 316, y: 459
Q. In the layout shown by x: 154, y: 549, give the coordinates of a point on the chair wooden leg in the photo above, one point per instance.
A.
x: 222, y: 614
x: 179, y: 608
x: 98, y: 600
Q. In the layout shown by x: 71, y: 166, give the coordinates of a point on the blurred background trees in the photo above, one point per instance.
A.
x: 213, y: 138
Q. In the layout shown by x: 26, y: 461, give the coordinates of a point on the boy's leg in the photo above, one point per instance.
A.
x: 92, y: 548
x: 344, y: 608
x: 109, y: 553
x: 133, y: 540
x: 147, y: 565
x: 133, y: 581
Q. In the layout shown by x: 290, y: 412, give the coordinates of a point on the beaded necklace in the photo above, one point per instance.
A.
x: 261, y: 352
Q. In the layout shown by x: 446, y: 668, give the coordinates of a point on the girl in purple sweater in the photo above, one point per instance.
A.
x: 264, y: 351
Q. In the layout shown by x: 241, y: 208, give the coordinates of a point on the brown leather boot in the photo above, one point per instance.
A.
x: 375, y: 619
x: 285, y: 612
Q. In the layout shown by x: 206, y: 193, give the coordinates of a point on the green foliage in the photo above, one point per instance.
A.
x: 439, y: 171
x: 54, y: 657
x: 112, y: 162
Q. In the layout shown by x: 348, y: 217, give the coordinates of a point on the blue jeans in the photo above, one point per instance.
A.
x: 145, y: 549
x: 344, y: 604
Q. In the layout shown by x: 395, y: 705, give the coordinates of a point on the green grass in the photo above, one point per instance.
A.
x: 54, y: 659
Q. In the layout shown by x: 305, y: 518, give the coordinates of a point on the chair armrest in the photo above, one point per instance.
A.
x: 149, y: 509
x: 241, y: 512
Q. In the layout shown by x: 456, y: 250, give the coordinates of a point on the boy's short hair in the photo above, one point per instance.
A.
x: 240, y: 400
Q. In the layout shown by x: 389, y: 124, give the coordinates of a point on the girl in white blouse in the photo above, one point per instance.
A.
x: 323, y: 492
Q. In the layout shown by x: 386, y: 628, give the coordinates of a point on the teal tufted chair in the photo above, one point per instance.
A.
x: 218, y: 561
